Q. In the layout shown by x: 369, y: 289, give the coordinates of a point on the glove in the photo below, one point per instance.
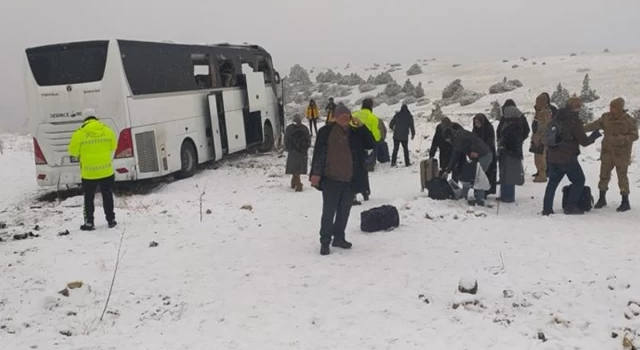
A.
x: 595, y: 135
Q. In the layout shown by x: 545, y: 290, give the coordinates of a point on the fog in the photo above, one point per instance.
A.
x: 322, y: 33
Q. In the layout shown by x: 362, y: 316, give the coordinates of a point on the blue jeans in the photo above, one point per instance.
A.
x: 574, y: 172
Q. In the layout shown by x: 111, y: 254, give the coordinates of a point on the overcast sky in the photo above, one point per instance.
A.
x: 321, y: 32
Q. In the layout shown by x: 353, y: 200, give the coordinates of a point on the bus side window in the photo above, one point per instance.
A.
x: 202, y: 71
x: 227, y: 73
x: 264, y: 67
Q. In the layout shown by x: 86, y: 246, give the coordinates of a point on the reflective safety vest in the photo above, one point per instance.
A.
x: 370, y: 121
x: 94, y: 144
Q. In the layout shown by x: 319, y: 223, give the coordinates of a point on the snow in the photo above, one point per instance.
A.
x: 253, y: 279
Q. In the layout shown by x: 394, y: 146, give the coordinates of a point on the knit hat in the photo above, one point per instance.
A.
x: 618, y: 104
x: 342, y: 109
x: 297, y: 118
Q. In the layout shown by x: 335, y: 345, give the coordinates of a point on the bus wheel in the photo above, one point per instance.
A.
x: 188, y: 160
x: 269, y: 141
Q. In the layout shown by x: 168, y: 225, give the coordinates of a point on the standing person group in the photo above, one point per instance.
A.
x: 340, y: 157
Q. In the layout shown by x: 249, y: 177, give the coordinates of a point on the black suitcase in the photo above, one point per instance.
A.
x: 383, y: 218
x: 585, y: 201
x: 382, y: 152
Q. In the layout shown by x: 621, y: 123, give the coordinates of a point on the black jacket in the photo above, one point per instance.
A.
x: 464, y: 143
x: 487, y: 134
x: 439, y: 143
x: 401, y: 124
x: 360, y: 140
x: 511, y: 133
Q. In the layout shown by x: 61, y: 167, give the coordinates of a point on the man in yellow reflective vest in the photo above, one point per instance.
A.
x: 372, y: 122
x: 94, y: 145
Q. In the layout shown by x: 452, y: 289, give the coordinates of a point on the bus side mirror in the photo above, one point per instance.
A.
x: 276, y: 78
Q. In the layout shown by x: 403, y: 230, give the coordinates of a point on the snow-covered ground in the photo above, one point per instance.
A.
x: 253, y: 279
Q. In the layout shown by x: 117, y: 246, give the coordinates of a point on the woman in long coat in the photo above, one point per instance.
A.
x: 512, y: 131
x: 297, y: 141
x: 483, y: 128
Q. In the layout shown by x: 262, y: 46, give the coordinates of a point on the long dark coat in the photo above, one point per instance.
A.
x: 512, y: 132
x: 488, y: 136
x: 297, y: 158
x: 360, y: 140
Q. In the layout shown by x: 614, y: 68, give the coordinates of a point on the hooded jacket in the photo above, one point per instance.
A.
x: 94, y: 144
x: 464, y: 143
x: 573, y: 136
x: 512, y: 132
x: 369, y: 120
x: 401, y: 124
x: 620, y: 132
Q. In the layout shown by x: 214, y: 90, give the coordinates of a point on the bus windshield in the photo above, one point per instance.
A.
x: 67, y: 64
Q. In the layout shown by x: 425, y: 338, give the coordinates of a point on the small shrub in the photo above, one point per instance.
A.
x: 560, y: 96
x: 419, y: 92
x: 408, y: 87
x: 588, y: 95
x: 366, y: 87
x: 392, y: 89
x: 436, y: 114
x: 496, y: 111
x: 414, y: 70
x: 410, y: 100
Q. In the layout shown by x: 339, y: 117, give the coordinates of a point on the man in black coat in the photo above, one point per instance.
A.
x: 402, y: 124
x: 467, y: 144
x: 338, y: 169
x: 439, y: 143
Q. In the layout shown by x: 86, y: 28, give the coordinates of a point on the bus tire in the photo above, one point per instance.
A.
x: 269, y: 141
x: 188, y: 160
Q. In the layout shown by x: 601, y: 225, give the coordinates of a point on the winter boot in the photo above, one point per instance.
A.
x: 602, y: 201
x: 341, y: 243
x: 325, y: 250
x: 112, y: 224
x: 625, y: 206
x: 547, y: 212
x: 88, y: 226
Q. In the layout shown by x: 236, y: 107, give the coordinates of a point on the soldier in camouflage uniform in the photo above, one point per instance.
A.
x: 620, y: 132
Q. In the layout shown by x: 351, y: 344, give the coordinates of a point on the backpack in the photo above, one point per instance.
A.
x: 440, y: 189
x: 383, y: 218
x: 585, y: 202
x: 554, y: 133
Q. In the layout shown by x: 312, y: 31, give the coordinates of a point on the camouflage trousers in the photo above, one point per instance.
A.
x: 621, y: 165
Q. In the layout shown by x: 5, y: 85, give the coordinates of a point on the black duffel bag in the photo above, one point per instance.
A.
x: 382, y: 218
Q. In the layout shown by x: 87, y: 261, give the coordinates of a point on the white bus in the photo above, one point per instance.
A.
x: 173, y: 106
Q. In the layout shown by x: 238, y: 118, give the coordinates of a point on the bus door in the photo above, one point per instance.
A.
x: 218, y: 128
x: 256, y: 105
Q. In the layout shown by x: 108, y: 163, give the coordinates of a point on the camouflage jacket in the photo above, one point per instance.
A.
x: 620, y: 132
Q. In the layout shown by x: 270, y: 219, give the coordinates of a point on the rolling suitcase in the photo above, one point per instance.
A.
x: 428, y: 171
